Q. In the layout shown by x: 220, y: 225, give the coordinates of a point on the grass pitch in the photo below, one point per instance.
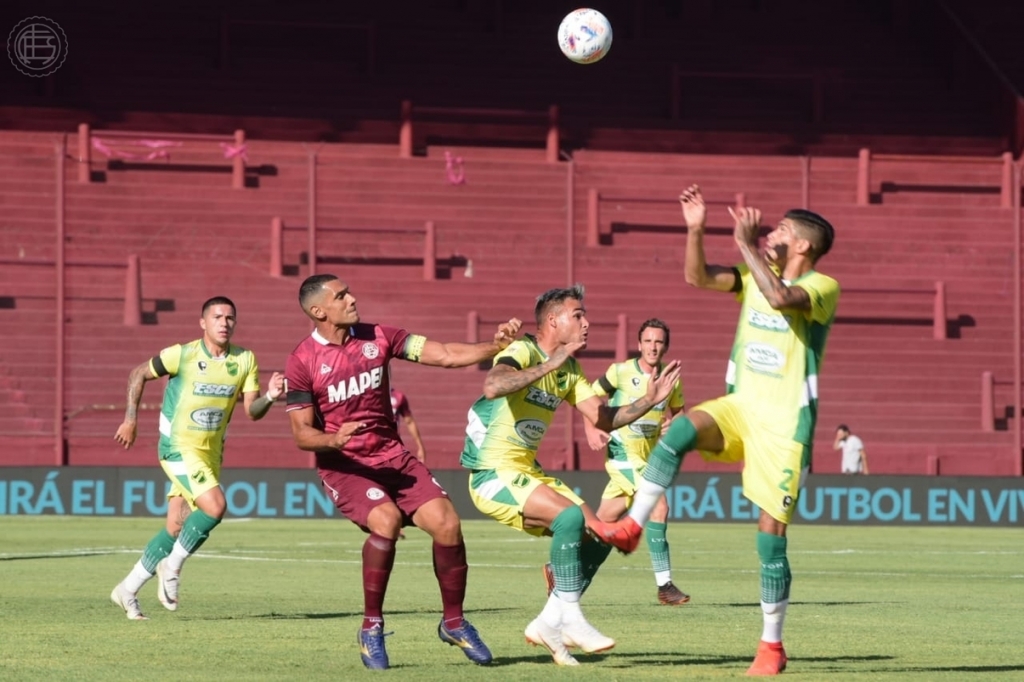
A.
x: 281, y: 600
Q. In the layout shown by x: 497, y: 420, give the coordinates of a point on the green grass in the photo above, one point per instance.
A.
x: 281, y: 600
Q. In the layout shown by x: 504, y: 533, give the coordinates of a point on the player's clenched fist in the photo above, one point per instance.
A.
x: 507, y: 332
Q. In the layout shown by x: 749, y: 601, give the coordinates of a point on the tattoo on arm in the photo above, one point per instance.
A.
x: 136, y: 384
x: 627, y: 414
x: 503, y: 380
x: 778, y: 294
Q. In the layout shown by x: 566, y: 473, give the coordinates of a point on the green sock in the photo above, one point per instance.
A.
x: 196, y: 529
x: 566, y: 538
x: 158, y: 548
x: 667, y: 455
x: 657, y: 543
x: 592, y: 555
x: 775, y: 575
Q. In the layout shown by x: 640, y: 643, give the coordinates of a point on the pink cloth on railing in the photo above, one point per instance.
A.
x: 158, y: 149
x: 453, y: 169
x: 233, y: 150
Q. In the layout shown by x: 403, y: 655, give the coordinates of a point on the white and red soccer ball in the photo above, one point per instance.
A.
x: 585, y: 36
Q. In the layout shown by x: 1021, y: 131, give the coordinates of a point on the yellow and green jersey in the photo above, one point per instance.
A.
x: 200, y: 396
x: 625, y: 383
x: 505, y: 432
x: 777, y: 355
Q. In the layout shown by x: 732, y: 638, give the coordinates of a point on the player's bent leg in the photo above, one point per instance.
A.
x: 439, y: 519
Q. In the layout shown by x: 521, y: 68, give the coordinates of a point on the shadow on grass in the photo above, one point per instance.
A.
x: 274, y: 615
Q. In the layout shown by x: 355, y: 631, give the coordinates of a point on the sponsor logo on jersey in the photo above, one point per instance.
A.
x: 214, y: 390
x: 772, y: 323
x: 636, y: 382
x: 202, y: 367
x: 355, y: 386
x: 207, y: 418
x: 325, y: 369
x: 764, y: 358
x: 645, y: 427
x: 531, y: 430
x: 370, y: 350
x: 540, y: 398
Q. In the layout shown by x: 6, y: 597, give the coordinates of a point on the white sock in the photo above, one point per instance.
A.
x: 662, y: 578
x: 774, y: 614
x: 552, y: 613
x: 646, y: 496
x: 571, y: 612
x: 137, y: 577
x: 176, y: 559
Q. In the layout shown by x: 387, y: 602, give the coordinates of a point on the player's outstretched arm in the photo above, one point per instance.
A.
x: 608, y: 418
x: 696, y: 269
x: 455, y: 354
x: 504, y: 379
x: 778, y: 294
x: 311, y: 438
x: 137, y: 379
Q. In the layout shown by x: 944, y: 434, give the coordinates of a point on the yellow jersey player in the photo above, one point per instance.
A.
x: 206, y: 378
x: 628, y: 448
x: 767, y: 418
x: 527, y: 383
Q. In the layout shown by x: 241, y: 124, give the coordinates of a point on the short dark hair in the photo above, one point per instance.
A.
x: 218, y: 300
x: 656, y: 324
x: 822, y: 234
x: 843, y: 427
x: 311, y: 287
x: 552, y: 297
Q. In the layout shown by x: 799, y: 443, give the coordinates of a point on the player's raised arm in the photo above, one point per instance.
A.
x: 697, y: 271
x: 456, y: 354
x: 508, y: 376
x: 609, y: 418
x: 778, y: 294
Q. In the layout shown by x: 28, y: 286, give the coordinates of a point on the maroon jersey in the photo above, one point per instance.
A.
x: 349, y: 383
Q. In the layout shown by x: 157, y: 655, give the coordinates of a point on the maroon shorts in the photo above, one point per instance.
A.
x: 357, y: 488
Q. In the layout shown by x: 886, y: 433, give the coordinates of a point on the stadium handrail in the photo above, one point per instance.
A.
x: 595, y: 197
x: 157, y: 144
x: 277, y: 229
x: 551, y: 116
x: 938, y: 293
x: 132, y: 281
x: 865, y: 159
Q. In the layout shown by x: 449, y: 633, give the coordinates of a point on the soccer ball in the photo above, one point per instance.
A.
x: 585, y: 36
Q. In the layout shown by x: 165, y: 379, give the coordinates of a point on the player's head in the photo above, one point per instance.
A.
x: 325, y: 298
x: 653, y: 341
x: 800, y: 233
x: 843, y: 430
x: 218, y: 320
x: 560, y: 315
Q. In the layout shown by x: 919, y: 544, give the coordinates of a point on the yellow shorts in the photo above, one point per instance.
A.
x: 774, y: 467
x: 191, y: 475
x: 623, y: 478
x: 502, y: 493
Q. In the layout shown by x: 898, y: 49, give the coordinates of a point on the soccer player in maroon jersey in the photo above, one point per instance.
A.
x: 339, y: 405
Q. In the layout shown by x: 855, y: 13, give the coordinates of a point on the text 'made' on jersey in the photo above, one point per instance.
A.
x: 624, y: 383
x: 200, y: 396
x: 350, y: 383
x: 776, y: 355
x: 506, y: 431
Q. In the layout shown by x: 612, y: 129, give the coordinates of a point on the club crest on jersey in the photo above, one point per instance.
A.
x: 231, y: 367
x: 370, y: 350
x: 375, y: 493
x: 325, y: 369
x: 355, y: 386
